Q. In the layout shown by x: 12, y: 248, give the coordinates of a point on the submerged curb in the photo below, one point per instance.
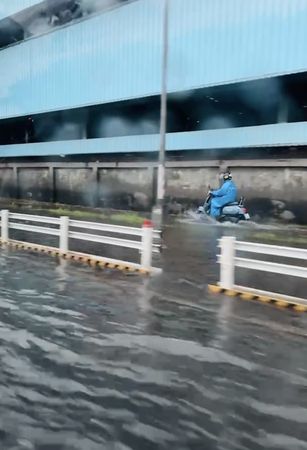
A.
x: 97, y: 262
x: 245, y: 295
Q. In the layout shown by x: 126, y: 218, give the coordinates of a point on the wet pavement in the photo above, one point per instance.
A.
x: 102, y: 360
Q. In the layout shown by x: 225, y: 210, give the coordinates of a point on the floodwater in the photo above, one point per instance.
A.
x: 95, y: 360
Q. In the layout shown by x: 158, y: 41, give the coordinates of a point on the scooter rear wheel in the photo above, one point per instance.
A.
x: 224, y: 219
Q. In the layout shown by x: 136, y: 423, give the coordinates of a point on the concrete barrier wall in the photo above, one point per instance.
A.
x: 125, y: 188
x: 274, y: 190
x: 73, y: 186
x: 272, y: 183
x: 33, y: 184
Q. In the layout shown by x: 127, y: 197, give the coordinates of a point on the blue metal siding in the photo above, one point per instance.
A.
x: 261, y: 136
x: 98, y: 60
x: 218, y: 41
x: 10, y: 7
x: 117, y: 55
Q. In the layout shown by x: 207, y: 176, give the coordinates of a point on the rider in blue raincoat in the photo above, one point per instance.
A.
x: 227, y: 193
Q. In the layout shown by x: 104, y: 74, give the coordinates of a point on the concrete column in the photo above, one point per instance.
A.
x: 51, y: 184
x: 283, y: 111
x: 95, y: 185
x: 83, y: 125
x: 15, y: 182
x: 83, y: 130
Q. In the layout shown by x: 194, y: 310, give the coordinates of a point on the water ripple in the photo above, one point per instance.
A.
x: 85, y: 366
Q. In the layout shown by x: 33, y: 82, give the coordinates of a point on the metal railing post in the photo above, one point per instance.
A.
x: 64, y: 230
x: 147, y: 241
x: 4, y: 225
x: 227, y: 268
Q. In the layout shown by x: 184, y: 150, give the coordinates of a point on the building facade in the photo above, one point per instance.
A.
x: 80, y: 82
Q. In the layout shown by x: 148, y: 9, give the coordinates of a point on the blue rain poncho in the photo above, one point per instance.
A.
x: 221, y: 197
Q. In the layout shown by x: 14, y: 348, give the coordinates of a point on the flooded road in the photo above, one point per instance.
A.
x: 102, y: 360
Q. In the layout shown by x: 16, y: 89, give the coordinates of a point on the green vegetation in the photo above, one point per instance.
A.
x: 125, y: 218
x: 128, y: 218
x: 279, y: 238
x: 76, y: 213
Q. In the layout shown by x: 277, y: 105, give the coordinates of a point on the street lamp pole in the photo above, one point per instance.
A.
x: 158, y: 210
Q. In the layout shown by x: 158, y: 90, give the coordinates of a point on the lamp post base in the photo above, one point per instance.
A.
x: 158, y: 216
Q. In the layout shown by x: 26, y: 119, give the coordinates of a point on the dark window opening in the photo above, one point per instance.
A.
x: 49, y: 15
x: 252, y: 103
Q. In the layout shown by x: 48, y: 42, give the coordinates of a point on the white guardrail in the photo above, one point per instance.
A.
x: 65, y: 229
x: 229, y: 260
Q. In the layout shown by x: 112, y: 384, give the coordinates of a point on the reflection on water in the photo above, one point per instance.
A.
x: 99, y: 360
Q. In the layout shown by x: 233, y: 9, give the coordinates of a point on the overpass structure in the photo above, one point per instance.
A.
x: 80, y: 82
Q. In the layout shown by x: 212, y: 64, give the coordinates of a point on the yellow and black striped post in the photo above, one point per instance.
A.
x: 260, y: 297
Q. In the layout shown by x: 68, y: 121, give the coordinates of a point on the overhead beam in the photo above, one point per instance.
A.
x: 298, y: 162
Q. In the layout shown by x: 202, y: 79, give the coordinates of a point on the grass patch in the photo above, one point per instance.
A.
x: 76, y: 213
x: 127, y: 218
x: 282, y: 239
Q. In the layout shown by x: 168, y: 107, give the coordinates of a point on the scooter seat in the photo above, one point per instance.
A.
x: 232, y: 204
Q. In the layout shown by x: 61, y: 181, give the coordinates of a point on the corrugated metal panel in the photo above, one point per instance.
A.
x: 249, y: 137
x: 117, y: 55
x: 10, y: 7
x: 114, y: 55
x: 218, y: 41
